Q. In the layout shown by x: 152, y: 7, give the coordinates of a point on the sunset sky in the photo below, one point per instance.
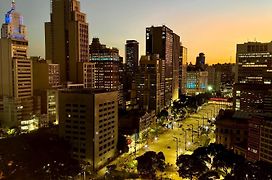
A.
x: 210, y: 26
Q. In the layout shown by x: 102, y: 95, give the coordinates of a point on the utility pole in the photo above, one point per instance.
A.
x: 198, y: 128
x: 185, y: 139
x: 192, y: 132
x: 176, y: 146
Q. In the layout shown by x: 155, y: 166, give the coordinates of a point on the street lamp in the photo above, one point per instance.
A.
x: 192, y: 132
x: 185, y: 139
x: 198, y: 128
x: 176, y: 145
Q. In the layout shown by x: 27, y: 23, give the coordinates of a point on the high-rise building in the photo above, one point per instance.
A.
x: 129, y: 74
x: 200, y: 61
x: 252, y: 97
x: 16, y: 91
x: 222, y: 78
x: 67, y: 38
x: 161, y: 40
x: 132, y: 56
x: 150, y: 82
x: 176, y: 59
x: 88, y: 120
x: 254, y: 63
x: 182, y: 70
x: 46, y: 81
x: 253, y: 76
x: 106, y: 66
x: 103, y: 70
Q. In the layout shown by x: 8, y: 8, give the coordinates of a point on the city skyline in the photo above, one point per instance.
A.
x: 185, y: 18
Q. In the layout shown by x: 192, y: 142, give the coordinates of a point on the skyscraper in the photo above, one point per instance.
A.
x: 253, y: 76
x: 16, y: 91
x: 254, y: 63
x: 102, y: 71
x: 67, y: 38
x: 151, y: 83
x: 161, y: 40
x: 132, y: 56
x: 182, y: 69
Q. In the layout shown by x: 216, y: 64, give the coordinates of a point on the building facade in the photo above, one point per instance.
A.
x: 67, y: 38
x: 222, y: 78
x: 132, y: 56
x: 260, y: 138
x: 252, y: 97
x: 196, y: 82
x: 88, y: 120
x: 200, y: 61
x: 151, y: 83
x: 163, y: 41
x: 182, y: 70
x: 46, y: 82
x: 254, y: 63
x: 16, y: 88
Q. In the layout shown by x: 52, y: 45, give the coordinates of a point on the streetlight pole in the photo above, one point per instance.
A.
x: 198, y: 128
x: 176, y: 145
x: 192, y: 132
x: 135, y: 143
x: 185, y: 139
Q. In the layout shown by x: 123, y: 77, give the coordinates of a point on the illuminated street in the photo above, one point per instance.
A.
x: 167, y: 142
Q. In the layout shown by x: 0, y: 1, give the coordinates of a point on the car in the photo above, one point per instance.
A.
x: 168, y: 147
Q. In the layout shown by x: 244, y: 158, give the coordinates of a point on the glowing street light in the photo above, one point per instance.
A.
x: 210, y: 88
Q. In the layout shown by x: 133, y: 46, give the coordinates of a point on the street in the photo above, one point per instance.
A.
x: 173, y: 142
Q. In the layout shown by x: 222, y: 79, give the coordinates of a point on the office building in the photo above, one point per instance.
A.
x: 232, y: 129
x: 260, y: 138
x: 102, y: 71
x: 253, y: 76
x: 16, y: 91
x: 67, y: 38
x: 176, y: 60
x: 88, y: 120
x: 129, y: 73
x: 200, y: 62
x: 151, y: 83
x: 182, y: 70
x: 161, y: 40
x: 252, y: 97
x: 132, y: 56
x: 254, y: 63
x: 221, y: 78
x: 105, y: 66
x: 196, y: 80
x: 46, y: 82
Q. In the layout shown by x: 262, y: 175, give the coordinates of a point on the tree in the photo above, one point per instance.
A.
x: 147, y: 163
x: 150, y: 162
x: 209, y: 175
x: 163, y: 113
x: 190, y: 166
x: 161, y: 161
x: 122, y: 144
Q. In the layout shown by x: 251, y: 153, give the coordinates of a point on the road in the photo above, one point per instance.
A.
x: 177, y: 141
